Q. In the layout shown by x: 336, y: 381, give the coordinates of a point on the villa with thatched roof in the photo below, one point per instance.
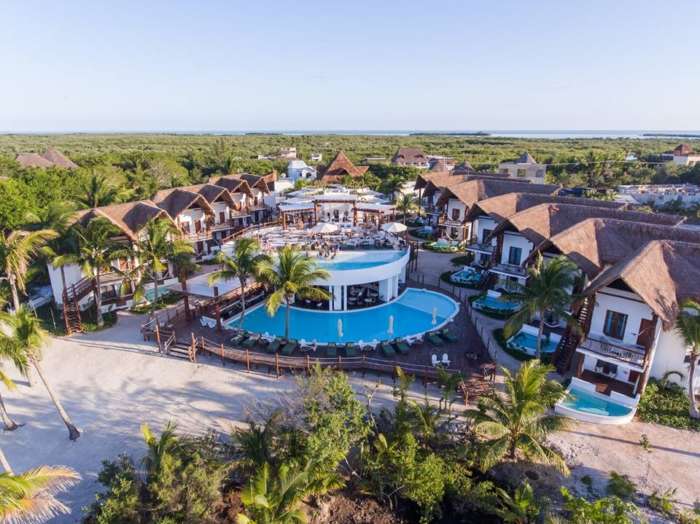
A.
x: 50, y: 158
x: 410, y: 157
x: 524, y: 167
x: 340, y: 167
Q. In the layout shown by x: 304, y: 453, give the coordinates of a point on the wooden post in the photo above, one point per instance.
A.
x: 217, y: 309
x: 192, y: 347
x: 277, y: 365
x: 160, y: 347
x: 247, y: 361
x: 308, y: 364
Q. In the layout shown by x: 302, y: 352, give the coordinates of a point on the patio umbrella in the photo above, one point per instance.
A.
x: 391, y: 325
x: 434, y: 316
x: 340, y: 328
x: 394, y: 227
x: 325, y: 228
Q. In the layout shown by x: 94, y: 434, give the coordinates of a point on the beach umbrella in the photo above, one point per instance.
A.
x: 434, y: 316
x: 391, y: 325
x: 340, y: 328
x: 394, y: 227
x: 324, y: 228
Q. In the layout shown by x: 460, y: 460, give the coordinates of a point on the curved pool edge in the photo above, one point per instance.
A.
x: 583, y: 416
x: 441, y: 325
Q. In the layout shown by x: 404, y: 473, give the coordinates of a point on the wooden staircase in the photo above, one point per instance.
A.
x: 567, y: 347
x: 71, y: 304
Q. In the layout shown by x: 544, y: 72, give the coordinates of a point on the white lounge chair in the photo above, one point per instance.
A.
x: 434, y: 360
x: 445, y: 360
x: 203, y: 321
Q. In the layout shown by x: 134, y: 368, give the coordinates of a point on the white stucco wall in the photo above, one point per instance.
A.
x: 622, y: 302
x: 483, y: 223
x: 670, y: 356
x: 515, y: 240
x: 453, y: 204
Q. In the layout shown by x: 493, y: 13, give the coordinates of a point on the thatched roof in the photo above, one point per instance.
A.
x: 464, y: 168
x: 50, y: 158
x: 502, y: 206
x: 439, y: 166
x: 232, y: 183
x: 177, y: 200
x: 408, y: 156
x: 663, y: 273
x: 473, y: 190
x: 211, y: 192
x: 59, y: 159
x: 129, y: 217
x: 342, y: 166
x: 544, y: 221
x: 525, y: 158
x: 683, y: 150
x: 33, y: 160
x: 597, y: 243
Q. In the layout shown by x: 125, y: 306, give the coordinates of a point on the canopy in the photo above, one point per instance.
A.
x: 394, y: 227
x: 325, y: 228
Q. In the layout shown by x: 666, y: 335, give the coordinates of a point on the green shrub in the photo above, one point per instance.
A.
x: 667, y: 405
x: 607, y: 510
x: 462, y: 260
x: 621, y: 486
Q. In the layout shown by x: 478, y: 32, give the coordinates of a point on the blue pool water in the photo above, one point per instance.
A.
x: 150, y: 293
x: 359, y: 259
x: 412, y: 311
x: 585, y: 402
x: 468, y: 275
x: 495, y: 303
x: 529, y: 342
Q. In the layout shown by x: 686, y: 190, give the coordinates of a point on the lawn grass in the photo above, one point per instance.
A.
x: 52, y: 320
x: 666, y: 405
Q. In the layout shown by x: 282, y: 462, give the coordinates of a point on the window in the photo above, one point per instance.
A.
x: 222, y: 217
x: 522, y: 173
x: 485, y: 234
x: 615, y: 324
x: 455, y: 213
x: 514, y: 255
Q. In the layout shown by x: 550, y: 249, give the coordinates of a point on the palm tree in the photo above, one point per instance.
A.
x: 96, y: 190
x: 96, y: 249
x: 16, y: 251
x: 405, y: 204
x: 274, y: 499
x: 158, y: 447
x: 24, y: 331
x: 547, y: 292
x: 183, y: 267
x: 291, y: 274
x: 688, y: 327
x: 31, y: 496
x: 10, y: 351
x: 242, y: 264
x: 449, y: 383
x: 520, y: 508
x: 159, y: 244
x: 516, y: 421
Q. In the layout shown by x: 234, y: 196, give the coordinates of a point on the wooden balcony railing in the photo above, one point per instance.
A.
x: 619, y: 351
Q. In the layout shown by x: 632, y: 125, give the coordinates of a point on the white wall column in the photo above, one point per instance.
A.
x: 385, y: 290
x: 337, y: 298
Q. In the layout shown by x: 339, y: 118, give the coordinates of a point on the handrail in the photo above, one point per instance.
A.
x: 626, y: 353
x: 251, y: 227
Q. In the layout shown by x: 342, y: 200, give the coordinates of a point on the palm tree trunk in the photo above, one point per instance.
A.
x: 73, y: 432
x: 15, y: 293
x: 242, y: 280
x: 5, y: 464
x: 540, y: 332
x: 694, y: 359
x: 186, y: 298
x: 156, y: 277
x: 98, y: 301
x: 63, y: 278
x: 10, y: 425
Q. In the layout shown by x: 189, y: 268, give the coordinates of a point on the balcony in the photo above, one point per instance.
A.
x: 509, y: 270
x: 630, y: 354
x: 484, y: 247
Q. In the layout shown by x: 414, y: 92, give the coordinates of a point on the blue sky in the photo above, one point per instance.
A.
x: 230, y: 65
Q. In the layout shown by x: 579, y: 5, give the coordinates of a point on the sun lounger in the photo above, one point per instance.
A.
x: 238, y: 339
x: 434, y: 339
x: 289, y: 348
x: 402, y: 347
x: 251, y: 341
x: 273, y: 346
x: 449, y: 337
x: 332, y: 351
x: 350, y: 350
x: 388, y: 350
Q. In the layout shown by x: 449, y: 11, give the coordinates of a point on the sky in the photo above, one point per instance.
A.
x: 360, y: 65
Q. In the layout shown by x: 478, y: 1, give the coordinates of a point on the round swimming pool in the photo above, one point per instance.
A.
x: 412, y: 311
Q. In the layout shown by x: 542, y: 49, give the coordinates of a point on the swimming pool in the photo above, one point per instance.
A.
x: 412, y: 312
x: 467, y: 275
x: 496, y: 304
x: 345, y: 260
x: 527, y: 343
x: 584, y: 403
x: 150, y: 293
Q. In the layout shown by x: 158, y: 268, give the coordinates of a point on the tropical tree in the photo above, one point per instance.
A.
x: 23, y: 330
x: 16, y: 252
x: 291, y: 274
x: 242, y: 264
x: 184, y: 266
x: 31, y: 496
x: 548, y: 291
x: 96, y: 249
x: 520, y: 508
x: 516, y: 421
x: 273, y: 498
x: 10, y: 351
x: 96, y: 190
x: 405, y: 204
x: 449, y: 383
x: 688, y: 327
x: 160, y: 243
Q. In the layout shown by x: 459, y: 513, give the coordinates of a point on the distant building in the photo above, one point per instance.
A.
x: 316, y: 157
x: 410, y: 157
x: 659, y: 195
x: 524, y: 167
x: 50, y: 158
x: 440, y: 163
x: 683, y: 155
x: 340, y: 168
x: 298, y: 170
x: 375, y: 160
x: 287, y: 153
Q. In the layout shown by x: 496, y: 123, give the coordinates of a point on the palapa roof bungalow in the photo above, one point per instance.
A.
x: 340, y: 167
x: 50, y: 158
x: 411, y: 157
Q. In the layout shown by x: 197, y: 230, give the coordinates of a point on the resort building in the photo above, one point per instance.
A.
x: 410, y: 157
x: 683, y: 155
x: 50, y: 158
x: 316, y: 157
x: 339, y: 168
x: 298, y: 170
x: 659, y: 195
x: 524, y: 167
